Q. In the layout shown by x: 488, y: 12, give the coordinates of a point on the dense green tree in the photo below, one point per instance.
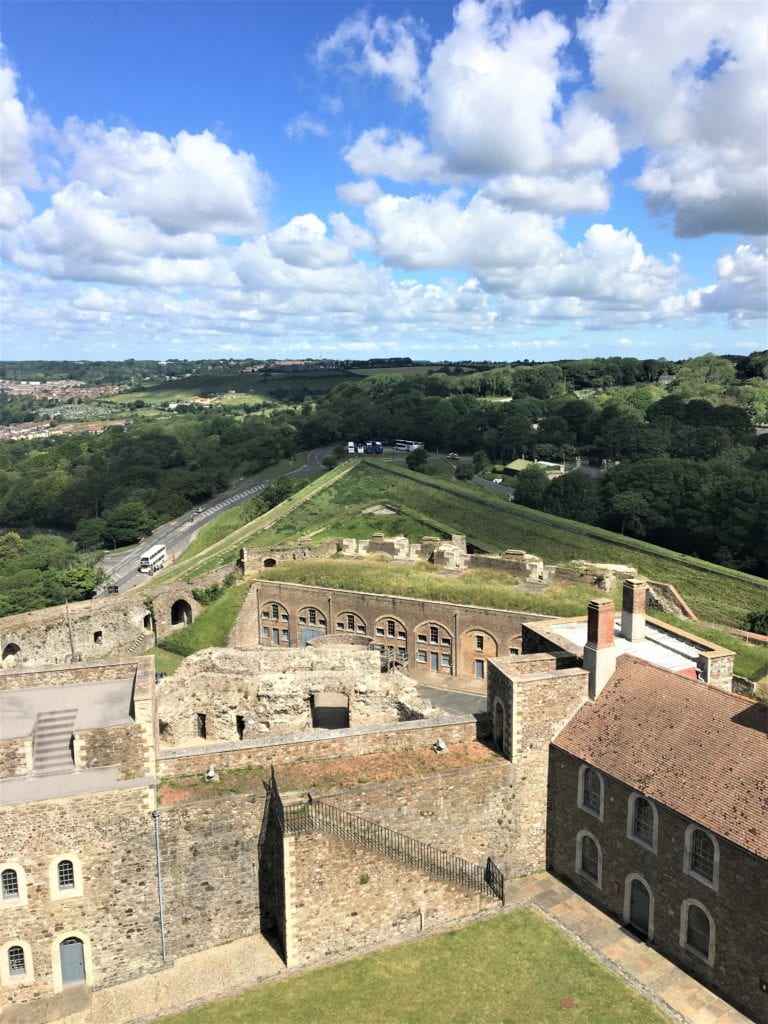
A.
x: 127, y: 523
x: 573, y: 496
x: 531, y: 487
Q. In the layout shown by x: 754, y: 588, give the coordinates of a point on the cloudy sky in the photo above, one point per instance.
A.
x: 486, y: 180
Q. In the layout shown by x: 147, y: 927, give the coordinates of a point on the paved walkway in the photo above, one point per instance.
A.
x: 674, y: 991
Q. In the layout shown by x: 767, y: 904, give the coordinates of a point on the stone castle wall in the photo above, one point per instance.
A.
x: 277, y: 750
x: 341, y: 899
x: 114, y: 908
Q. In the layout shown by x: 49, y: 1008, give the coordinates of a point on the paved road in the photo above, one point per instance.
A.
x: 452, y: 701
x: 122, y: 568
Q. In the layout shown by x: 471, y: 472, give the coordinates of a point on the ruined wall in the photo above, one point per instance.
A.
x: 117, y: 744
x: 102, y: 628
x: 252, y: 560
x: 341, y: 899
x: 272, y: 691
x: 276, y: 750
x: 110, y: 838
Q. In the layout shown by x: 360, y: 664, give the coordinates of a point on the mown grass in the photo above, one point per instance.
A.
x: 515, y: 968
x: 212, y: 626
x: 482, y: 587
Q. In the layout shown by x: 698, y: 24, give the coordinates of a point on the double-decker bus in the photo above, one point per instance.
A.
x: 153, y: 558
x: 407, y: 446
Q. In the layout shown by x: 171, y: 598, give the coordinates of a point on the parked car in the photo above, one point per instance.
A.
x: 453, y: 455
x: 498, y: 480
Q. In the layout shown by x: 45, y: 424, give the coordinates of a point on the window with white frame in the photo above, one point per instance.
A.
x: 591, y: 790
x: 10, y: 884
x: 702, y: 855
x: 642, y: 821
x: 13, y: 884
x: 479, y: 642
x: 588, y: 857
x: 697, y: 931
x: 17, y: 964
x: 66, y: 874
x: 16, y: 967
x: 433, y: 635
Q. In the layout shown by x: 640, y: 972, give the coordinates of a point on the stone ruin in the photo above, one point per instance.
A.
x: 246, y: 694
x: 447, y: 554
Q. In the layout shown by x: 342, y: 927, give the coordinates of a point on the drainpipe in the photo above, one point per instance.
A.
x: 69, y: 627
x: 156, y: 816
x: 457, y: 652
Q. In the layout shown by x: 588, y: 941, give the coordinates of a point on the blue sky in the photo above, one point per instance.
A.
x: 478, y: 180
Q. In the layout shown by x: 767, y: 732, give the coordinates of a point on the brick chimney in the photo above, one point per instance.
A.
x: 599, y: 658
x: 633, y: 610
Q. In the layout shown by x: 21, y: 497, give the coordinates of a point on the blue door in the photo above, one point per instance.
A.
x: 309, y: 633
x: 72, y: 962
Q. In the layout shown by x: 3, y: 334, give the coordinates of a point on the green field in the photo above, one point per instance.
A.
x: 515, y: 968
x: 236, y: 388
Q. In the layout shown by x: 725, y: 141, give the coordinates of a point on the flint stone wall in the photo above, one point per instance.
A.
x: 271, y: 690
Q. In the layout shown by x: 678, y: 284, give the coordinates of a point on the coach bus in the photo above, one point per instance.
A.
x: 153, y: 558
x: 407, y: 446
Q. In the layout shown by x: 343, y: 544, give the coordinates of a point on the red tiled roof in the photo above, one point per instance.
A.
x: 697, y: 750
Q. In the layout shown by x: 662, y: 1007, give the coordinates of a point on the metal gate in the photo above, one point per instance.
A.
x: 72, y: 962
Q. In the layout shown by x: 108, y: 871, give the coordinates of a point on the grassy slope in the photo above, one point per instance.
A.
x: 514, y: 967
x: 478, y: 587
x: 212, y: 627
x: 715, y: 594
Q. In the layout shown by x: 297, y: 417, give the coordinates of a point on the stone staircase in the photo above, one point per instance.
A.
x: 52, y: 752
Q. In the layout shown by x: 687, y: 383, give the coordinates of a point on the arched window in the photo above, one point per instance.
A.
x: 697, y: 931
x: 589, y: 858
x: 10, y: 884
x: 65, y: 877
x: 17, y: 964
x: 591, y: 790
x: 13, y: 884
x: 66, y: 874
x: 642, y: 821
x: 702, y: 856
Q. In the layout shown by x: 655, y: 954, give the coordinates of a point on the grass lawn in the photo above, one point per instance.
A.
x: 512, y: 969
x: 212, y: 626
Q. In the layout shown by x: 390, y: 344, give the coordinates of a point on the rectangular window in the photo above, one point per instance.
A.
x: 642, y: 822
x: 312, y: 616
x: 379, y: 631
x: 702, y: 855
x: 302, y: 620
x: 390, y: 627
x: 265, y: 632
x: 275, y: 611
x: 446, y: 641
x: 202, y: 731
x: 265, y: 614
x: 479, y: 668
x: 445, y: 660
x: 285, y: 636
x: 421, y: 657
x: 10, y: 884
x: 422, y: 638
x: 283, y: 618
x: 350, y: 622
x: 340, y: 625
x: 403, y: 652
x: 401, y: 634
x: 479, y: 642
x: 433, y: 637
x: 361, y: 629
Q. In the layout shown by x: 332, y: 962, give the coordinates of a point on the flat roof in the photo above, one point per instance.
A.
x: 26, y: 789
x: 98, y: 705
x: 665, y: 647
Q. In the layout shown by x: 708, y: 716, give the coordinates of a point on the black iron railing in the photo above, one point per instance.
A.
x: 425, y: 857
